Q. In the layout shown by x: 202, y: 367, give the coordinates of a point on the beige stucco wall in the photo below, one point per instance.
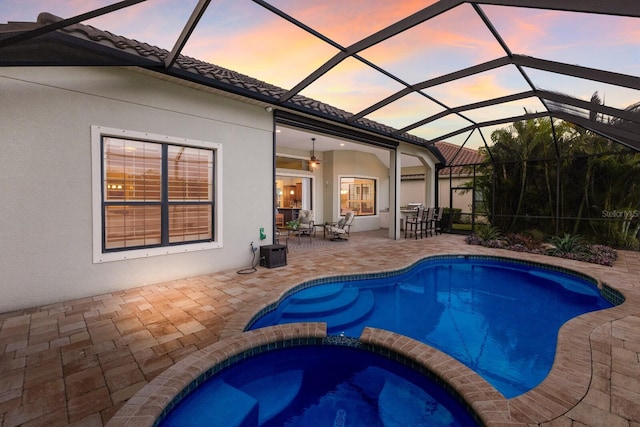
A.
x: 428, y: 169
x: 337, y: 164
x: 46, y: 116
x: 414, y: 190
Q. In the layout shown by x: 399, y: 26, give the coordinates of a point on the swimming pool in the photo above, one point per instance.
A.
x: 327, y: 385
x: 500, y: 318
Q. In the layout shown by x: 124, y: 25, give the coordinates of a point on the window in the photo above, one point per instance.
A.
x: 154, y: 193
x: 283, y: 162
x: 358, y: 195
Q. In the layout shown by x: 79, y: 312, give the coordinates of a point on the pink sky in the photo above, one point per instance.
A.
x: 245, y: 37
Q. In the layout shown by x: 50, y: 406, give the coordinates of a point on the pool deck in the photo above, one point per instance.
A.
x: 78, y: 362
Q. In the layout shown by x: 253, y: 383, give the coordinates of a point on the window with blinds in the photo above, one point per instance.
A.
x: 358, y: 195
x: 155, y: 194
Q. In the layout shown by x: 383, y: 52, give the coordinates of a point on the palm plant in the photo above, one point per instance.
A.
x: 488, y: 233
x: 568, y: 244
x: 559, y: 177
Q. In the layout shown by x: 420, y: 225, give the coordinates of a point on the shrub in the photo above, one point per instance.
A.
x: 600, y: 254
x: 495, y: 243
x: 536, y: 235
x: 488, y: 232
x: 453, y: 214
x: 473, y: 239
x: 568, y: 244
x: 604, y: 251
x: 529, y: 242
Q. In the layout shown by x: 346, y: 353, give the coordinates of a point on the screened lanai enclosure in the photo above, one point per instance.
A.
x: 547, y: 91
x: 535, y: 183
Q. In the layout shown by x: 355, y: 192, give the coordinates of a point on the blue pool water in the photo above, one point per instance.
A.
x: 499, y: 318
x: 324, y: 385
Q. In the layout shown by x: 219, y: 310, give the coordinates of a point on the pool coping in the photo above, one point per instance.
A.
x: 164, y: 392
x: 148, y: 405
x: 243, y: 320
x: 577, y: 351
x: 565, y: 386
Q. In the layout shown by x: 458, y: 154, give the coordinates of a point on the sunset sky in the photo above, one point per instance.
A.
x: 243, y: 36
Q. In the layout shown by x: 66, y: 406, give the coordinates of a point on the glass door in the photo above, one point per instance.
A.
x: 293, y: 193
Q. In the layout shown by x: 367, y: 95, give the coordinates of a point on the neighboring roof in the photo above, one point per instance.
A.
x: 419, y: 72
x: 456, y: 157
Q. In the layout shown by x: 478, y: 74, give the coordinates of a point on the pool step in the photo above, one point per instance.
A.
x: 317, y: 293
x: 354, y: 314
x: 234, y: 406
x: 314, y: 307
x: 274, y: 392
x: 401, y: 403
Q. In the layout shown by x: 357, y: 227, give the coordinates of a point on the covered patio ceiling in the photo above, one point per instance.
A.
x: 413, y: 71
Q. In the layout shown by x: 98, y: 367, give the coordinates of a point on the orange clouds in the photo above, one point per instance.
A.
x: 484, y: 86
x: 273, y: 50
x: 350, y: 21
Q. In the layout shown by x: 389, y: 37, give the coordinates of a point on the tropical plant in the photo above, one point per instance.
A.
x: 528, y: 241
x: 557, y: 177
x: 487, y: 233
x: 568, y: 244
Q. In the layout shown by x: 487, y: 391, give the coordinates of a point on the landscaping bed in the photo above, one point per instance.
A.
x: 566, y: 246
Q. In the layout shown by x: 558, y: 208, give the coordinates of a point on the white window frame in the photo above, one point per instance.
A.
x: 97, y: 132
x: 376, y: 179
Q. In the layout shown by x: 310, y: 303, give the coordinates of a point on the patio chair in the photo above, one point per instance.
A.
x: 413, y: 223
x: 340, y: 230
x: 305, y: 224
x: 282, y: 238
x: 428, y: 222
x: 437, y: 221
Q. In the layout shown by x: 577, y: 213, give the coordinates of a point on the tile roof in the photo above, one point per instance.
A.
x: 457, y: 157
x: 224, y: 77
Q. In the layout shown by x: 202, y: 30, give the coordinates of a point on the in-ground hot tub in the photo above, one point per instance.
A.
x: 330, y: 384
x: 289, y: 374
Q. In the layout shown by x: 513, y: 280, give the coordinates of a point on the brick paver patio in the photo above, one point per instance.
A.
x: 77, y: 362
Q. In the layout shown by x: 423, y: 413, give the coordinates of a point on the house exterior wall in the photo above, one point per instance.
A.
x: 46, y: 225
x: 428, y: 169
x: 413, y: 191
x: 345, y: 163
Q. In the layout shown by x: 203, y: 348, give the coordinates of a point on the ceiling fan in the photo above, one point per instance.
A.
x: 313, y: 161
